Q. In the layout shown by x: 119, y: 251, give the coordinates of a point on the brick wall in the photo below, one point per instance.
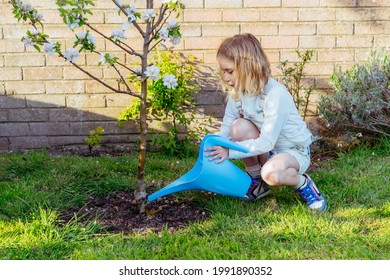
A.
x: 45, y: 102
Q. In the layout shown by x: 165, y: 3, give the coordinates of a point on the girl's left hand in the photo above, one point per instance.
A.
x: 217, y: 152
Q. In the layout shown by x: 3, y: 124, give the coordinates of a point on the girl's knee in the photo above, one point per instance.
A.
x: 242, y: 129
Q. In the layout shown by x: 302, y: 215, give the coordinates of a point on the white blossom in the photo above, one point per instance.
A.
x: 118, y: 34
x: 26, y: 7
x: 138, y: 69
x: 170, y: 81
x: 27, y: 41
x: 34, y: 32
x: 73, y: 25
x: 131, y: 10
x: 71, y: 55
x: 86, y: 35
x: 49, y: 48
x: 153, y: 72
x: 174, y: 40
x: 148, y: 15
x: 163, y: 33
x: 103, y: 59
x: 171, y: 24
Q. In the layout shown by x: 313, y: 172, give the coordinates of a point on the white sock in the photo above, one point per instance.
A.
x: 254, y: 171
x: 302, y: 181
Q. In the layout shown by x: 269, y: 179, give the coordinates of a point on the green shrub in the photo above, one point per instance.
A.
x: 292, y: 74
x: 360, y: 99
x: 95, y: 138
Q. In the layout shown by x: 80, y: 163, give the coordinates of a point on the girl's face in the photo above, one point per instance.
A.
x: 228, y: 70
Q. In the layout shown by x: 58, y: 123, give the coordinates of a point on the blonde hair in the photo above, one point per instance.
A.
x: 251, y: 64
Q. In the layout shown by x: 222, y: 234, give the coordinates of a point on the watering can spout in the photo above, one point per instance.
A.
x: 223, y: 178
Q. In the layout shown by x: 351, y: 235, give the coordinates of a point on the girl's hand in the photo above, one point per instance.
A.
x: 217, y: 152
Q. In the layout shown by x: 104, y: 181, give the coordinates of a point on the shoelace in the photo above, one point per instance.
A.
x: 307, y: 194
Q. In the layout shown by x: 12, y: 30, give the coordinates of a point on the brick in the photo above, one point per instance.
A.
x: 220, y: 29
x: 34, y: 115
x: 4, y: 144
x: 93, y: 86
x: 200, y: 15
x: 202, y: 43
x: 13, y: 129
x: 317, y: 41
x: 49, y: 128
x: 338, y: 3
x: 276, y: 15
x: 45, y: 101
x: 382, y: 41
x: 72, y: 73
x: 352, y: 41
x: 336, y: 55
x: 12, y: 60
x: 292, y: 56
x: 85, y: 101
x: 20, y: 143
x: 25, y: 87
x: 16, y: 32
x: 119, y: 100
x: 10, y: 74
x: 42, y: 73
x: 297, y: 28
x: 363, y: 14
x: 223, y: 4
x: 262, y: 3
x: 191, y: 30
x: 64, y: 140
x: 193, y: 3
x: 64, y: 87
x: 260, y: 29
x: 11, y: 46
x: 317, y: 69
x: 3, y: 116
x: 299, y: 3
x: 7, y: 102
x: 317, y: 14
x: 375, y: 28
x: 372, y: 3
x: 332, y: 28
x: 244, y: 15
x: 272, y: 42
x: 101, y: 114
x: 66, y: 115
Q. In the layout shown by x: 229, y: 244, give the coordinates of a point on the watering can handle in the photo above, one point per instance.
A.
x: 217, y: 140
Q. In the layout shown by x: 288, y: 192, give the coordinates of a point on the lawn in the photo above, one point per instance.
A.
x: 36, y: 186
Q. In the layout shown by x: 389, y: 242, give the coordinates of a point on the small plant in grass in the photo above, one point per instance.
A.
x: 292, y: 74
x: 95, y: 138
x: 360, y: 102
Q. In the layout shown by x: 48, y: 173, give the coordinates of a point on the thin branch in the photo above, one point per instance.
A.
x: 157, y: 42
x: 135, y: 23
x: 130, y: 50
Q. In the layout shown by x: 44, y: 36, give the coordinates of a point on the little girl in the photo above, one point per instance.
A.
x: 261, y: 116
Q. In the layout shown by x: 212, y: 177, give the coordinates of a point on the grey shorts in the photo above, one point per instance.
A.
x: 301, y: 154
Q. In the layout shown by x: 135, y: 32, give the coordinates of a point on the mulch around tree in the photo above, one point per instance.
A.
x: 118, y: 212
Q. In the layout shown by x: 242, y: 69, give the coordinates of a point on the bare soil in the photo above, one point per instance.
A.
x: 118, y: 212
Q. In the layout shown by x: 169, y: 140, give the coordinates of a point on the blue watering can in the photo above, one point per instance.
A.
x: 222, y: 178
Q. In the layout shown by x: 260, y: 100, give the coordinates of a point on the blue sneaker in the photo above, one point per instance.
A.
x: 257, y: 189
x: 311, y: 195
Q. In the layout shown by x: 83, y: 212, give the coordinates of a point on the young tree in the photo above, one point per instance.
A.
x: 152, y: 26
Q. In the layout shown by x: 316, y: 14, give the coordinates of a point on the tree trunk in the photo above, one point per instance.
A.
x: 140, y: 193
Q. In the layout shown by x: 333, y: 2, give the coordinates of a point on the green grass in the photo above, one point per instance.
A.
x: 35, y: 187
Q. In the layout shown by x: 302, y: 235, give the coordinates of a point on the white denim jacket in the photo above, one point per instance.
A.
x: 275, y: 115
